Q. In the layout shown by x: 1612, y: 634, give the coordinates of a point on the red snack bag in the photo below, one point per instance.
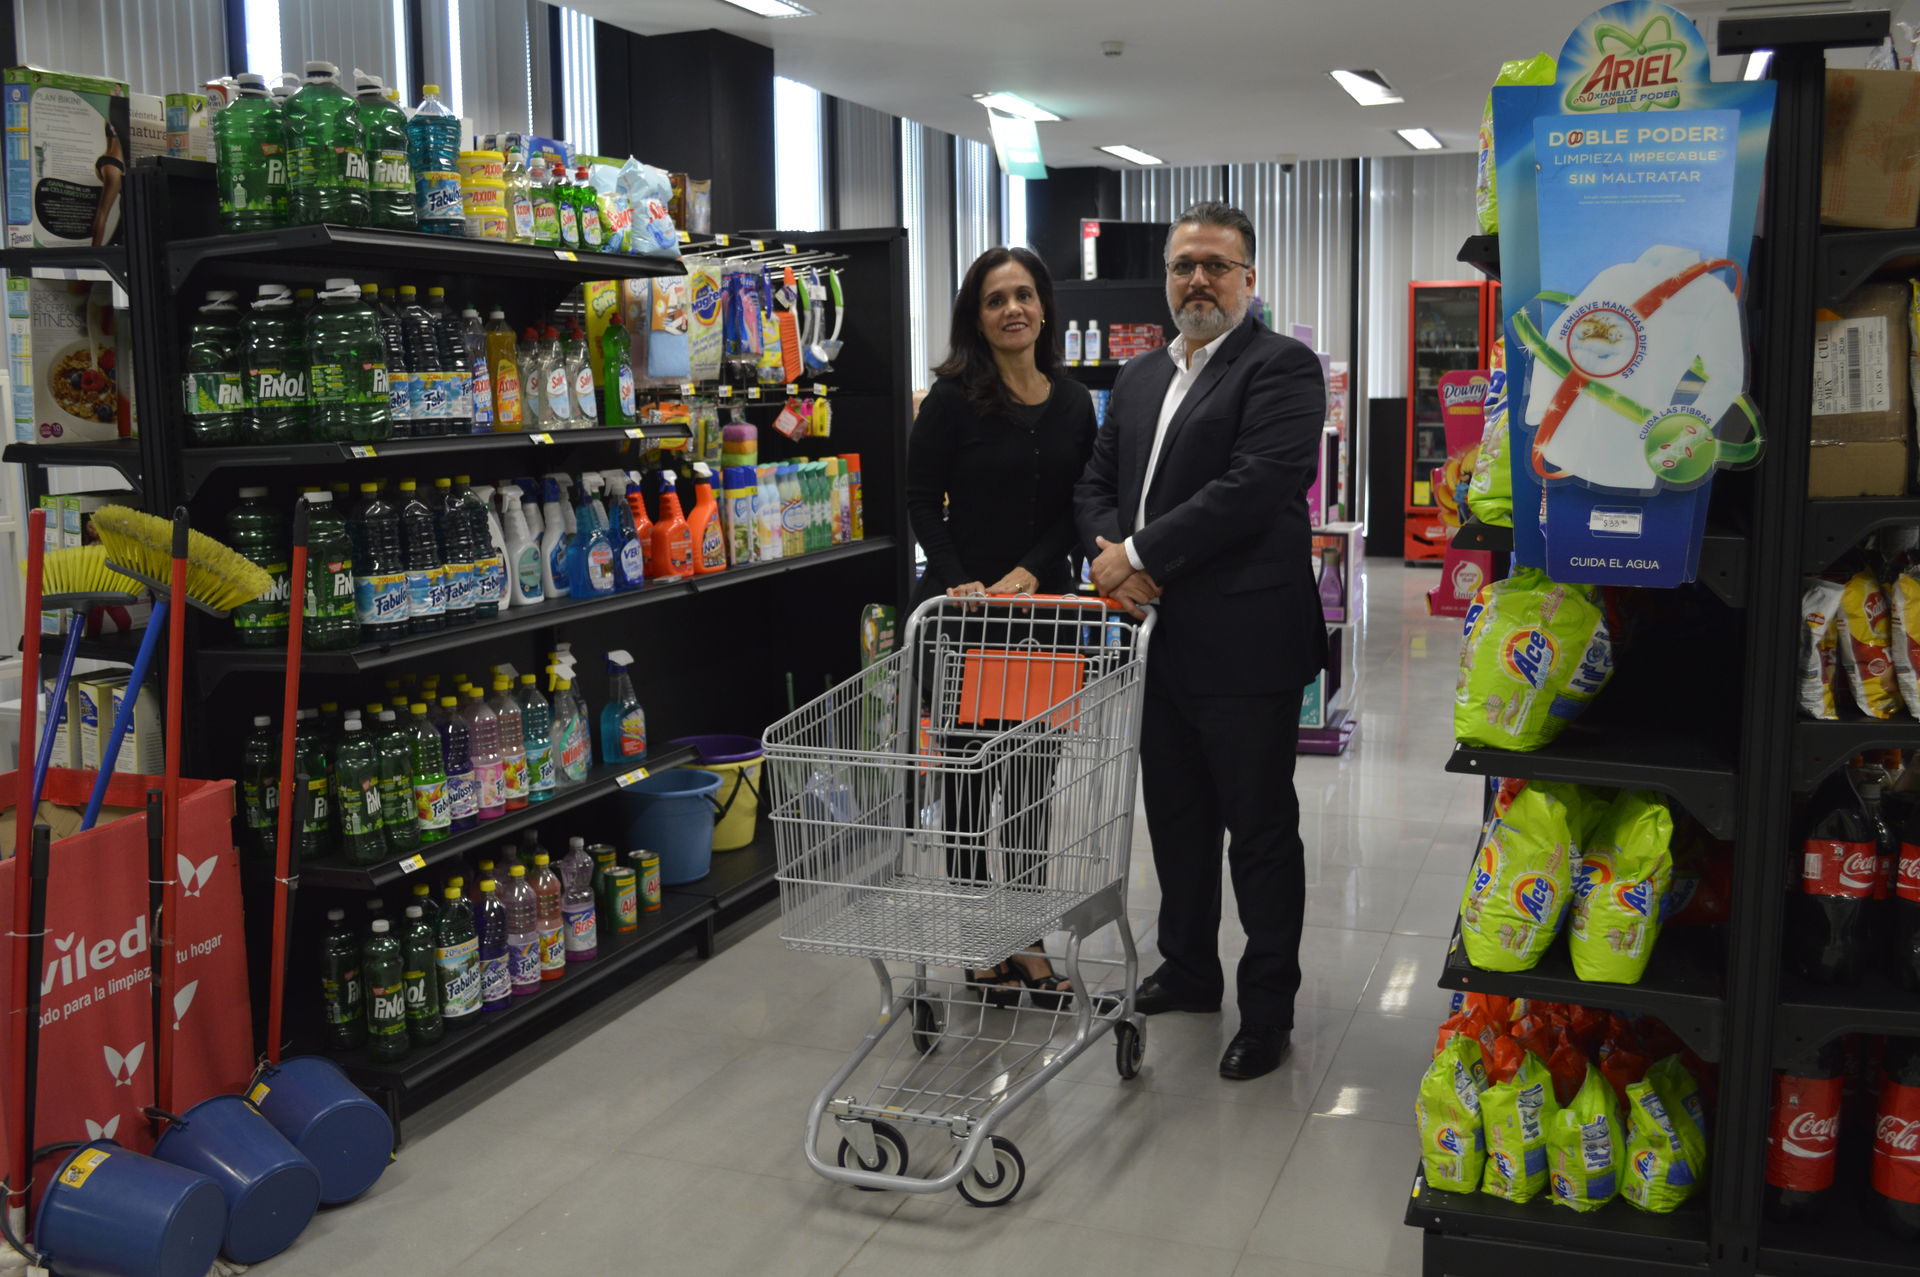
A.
x: 1504, y: 1059
x: 1585, y: 1027
x: 1568, y: 1065
x: 1622, y: 1069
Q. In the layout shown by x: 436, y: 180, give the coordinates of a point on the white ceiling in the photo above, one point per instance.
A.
x: 1200, y: 82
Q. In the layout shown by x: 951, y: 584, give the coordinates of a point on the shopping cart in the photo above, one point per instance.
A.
x: 956, y: 839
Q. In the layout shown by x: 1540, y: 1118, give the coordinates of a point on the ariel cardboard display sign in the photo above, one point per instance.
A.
x: 1463, y: 407
x: 1628, y: 191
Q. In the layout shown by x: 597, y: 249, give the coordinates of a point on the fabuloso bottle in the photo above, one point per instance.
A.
x: 623, y: 724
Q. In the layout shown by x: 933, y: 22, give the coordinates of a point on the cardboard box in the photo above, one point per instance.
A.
x: 1870, y: 162
x: 66, y: 741
x: 95, y: 716
x: 66, y: 135
x: 62, y: 352
x: 147, y: 124
x: 1860, y: 469
x: 144, y: 750
x: 189, y: 127
x: 1860, y: 368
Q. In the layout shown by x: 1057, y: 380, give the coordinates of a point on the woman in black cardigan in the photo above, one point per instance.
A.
x: 998, y: 444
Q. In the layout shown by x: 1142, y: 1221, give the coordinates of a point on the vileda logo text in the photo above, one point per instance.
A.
x: 79, y: 957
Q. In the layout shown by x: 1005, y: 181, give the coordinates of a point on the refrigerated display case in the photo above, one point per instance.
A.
x: 1451, y: 325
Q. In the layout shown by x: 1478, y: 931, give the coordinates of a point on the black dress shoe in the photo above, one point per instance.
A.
x: 1254, y: 1053
x: 1152, y: 997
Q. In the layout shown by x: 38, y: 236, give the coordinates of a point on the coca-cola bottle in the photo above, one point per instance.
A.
x: 1905, y: 946
x: 1804, y: 1134
x: 1896, y: 1140
x: 1827, y: 916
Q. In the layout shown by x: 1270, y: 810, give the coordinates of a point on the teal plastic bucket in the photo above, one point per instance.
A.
x: 111, y: 1212
x: 272, y: 1190
x: 671, y: 814
x: 347, y: 1137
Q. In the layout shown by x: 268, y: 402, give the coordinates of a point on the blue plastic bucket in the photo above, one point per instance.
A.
x: 347, y: 1137
x: 272, y: 1190
x: 671, y: 815
x: 111, y: 1212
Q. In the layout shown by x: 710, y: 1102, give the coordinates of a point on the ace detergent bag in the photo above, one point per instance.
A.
x: 1535, y: 653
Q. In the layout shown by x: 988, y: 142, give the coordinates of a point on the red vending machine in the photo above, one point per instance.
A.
x: 1451, y: 326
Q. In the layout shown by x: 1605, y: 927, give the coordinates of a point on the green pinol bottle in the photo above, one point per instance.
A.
x: 340, y: 989
x: 250, y: 158
x: 383, y: 965
x: 393, y: 749
x: 312, y: 760
x: 332, y: 622
x: 356, y: 789
x: 214, y: 386
x: 260, y: 785
x: 390, y: 178
x: 422, y: 975
x: 326, y: 152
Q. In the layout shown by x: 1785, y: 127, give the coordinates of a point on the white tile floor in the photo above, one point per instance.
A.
x: 660, y: 1133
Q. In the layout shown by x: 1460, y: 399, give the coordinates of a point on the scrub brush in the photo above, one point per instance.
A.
x: 218, y: 579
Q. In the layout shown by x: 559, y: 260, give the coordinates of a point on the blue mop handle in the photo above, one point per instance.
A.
x: 123, y: 721
x: 44, y: 758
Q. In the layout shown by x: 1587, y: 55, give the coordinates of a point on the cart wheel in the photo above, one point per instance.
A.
x: 1005, y: 1186
x: 892, y: 1147
x: 926, y: 1026
x: 1129, y: 1049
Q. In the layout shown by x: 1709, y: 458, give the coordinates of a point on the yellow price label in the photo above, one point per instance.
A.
x: 635, y: 432
x: 793, y: 387
x: 566, y: 255
x: 1073, y: 363
x: 759, y: 245
x: 258, y: 1093
x: 84, y: 1164
x: 820, y: 392
x: 413, y: 864
x: 753, y: 392
x: 725, y: 392
x: 633, y: 777
x: 360, y: 452
x: 791, y: 248
x: 540, y: 438
x: 685, y: 238
x: 687, y: 389
x: 723, y: 241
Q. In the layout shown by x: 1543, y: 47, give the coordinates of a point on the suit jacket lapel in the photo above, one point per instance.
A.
x: 1230, y: 347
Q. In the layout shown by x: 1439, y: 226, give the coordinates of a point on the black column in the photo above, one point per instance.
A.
x: 1057, y: 206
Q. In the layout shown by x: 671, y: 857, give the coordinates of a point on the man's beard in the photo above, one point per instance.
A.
x: 1206, y: 323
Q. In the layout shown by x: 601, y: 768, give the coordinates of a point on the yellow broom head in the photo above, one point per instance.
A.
x: 219, y: 577
x: 84, y: 570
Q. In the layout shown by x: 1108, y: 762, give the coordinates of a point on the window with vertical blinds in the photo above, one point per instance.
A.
x: 866, y: 167
x: 799, y: 158
x: 579, y: 81
x: 480, y: 54
x: 913, y: 204
x: 368, y: 35
x: 156, y: 46
x: 1419, y: 211
x: 976, y: 203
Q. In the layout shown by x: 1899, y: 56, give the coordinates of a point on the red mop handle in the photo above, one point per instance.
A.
x: 170, y: 793
x: 19, y: 1167
x: 289, y: 803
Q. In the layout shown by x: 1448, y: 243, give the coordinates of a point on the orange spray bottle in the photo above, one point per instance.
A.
x: 709, y: 536
x: 672, y: 556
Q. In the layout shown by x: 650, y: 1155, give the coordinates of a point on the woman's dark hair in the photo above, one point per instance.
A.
x: 969, y: 357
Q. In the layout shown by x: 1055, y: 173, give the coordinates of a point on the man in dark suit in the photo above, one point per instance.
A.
x: 1195, y: 497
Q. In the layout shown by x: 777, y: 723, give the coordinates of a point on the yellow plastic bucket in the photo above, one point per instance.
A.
x: 736, y: 761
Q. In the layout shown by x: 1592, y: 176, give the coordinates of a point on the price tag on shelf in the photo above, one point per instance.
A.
x: 725, y: 392
x: 566, y: 255
x: 413, y: 864
x: 541, y: 438
x: 753, y: 392
x: 635, y: 432
x: 792, y: 249
x: 1073, y: 363
x: 633, y: 777
x: 793, y: 387
x: 759, y: 245
x: 685, y: 238
x: 820, y: 392
x: 723, y: 241
x: 361, y: 451
x: 687, y: 389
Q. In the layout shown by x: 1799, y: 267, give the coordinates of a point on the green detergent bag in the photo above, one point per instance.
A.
x: 1624, y: 875
x: 1536, y: 653
x: 1585, y: 1150
x: 1515, y: 1115
x: 1521, y: 883
x: 1447, y: 1112
x: 1666, y: 1153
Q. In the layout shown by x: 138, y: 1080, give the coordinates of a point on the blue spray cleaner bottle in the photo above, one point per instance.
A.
x: 629, y: 564
x: 623, y: 724
x: 590, y: 558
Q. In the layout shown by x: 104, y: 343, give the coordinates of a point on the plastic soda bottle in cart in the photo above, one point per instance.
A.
x: 457, y: 954
x: 250, y: 159
x: 1827, y: 918
x: 274, y: 339
x: 513, y: 743
x: 582, y: 939
x: 1895, y: 1180
x: 432, y: 804
x: 537, y: 716
x: 383, y: 965
x: 489, y: 771
x: 356, y: 788
x: 393, y: 750
x: 463, y: 788
x: 340, y: 989
x: 346, y: 368
x: 326, y: 152
x: 623, y: 723
x: 459, y: 552
x: 331, y: 623
x: 433, y: 148
x: 260, y: 785
x: 550, y: 917
x: 1803, y: 1137
x: 214, y: 385
x: 523, y: 933
x: 258, y: 531
x: 496, y: 973
x: 379, y: 568
x: 383, y: 126
x: 426, y: 568
x: 421, y: 978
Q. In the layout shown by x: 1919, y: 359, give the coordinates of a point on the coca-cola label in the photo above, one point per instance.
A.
x: 1805, y: 1132
x: 1906, y: 879
x: 1845, y: 869
x: 1896, y: 1143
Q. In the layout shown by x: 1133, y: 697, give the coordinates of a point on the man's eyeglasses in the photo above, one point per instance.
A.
x: 1211, y: 269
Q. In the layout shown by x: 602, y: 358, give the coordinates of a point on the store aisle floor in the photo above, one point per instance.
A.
x: 660, y: 1132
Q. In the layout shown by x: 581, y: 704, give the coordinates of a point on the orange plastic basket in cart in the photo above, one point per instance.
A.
x: 1004, y: 687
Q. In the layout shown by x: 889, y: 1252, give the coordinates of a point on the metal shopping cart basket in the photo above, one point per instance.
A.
x: 969, y: 794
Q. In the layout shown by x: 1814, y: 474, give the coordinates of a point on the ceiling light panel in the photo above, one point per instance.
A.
x: 1015, y: 105
x: 1132, y: 154
x: 1368, y: 88
x: 772, y: 8
x: 1421, y: 139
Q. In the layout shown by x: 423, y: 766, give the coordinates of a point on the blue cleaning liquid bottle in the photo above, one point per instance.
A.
x: 554, y: 542
x: 629, y: 563
x: 590, y: 558
x: 623, y: 724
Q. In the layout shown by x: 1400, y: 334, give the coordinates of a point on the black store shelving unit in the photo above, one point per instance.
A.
x: 728, y: 662
x: 1738, y: 757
